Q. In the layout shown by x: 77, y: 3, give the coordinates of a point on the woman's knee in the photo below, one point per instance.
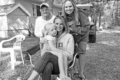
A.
x: 42, y: 62
x: 49, y: 67
x: 45, y: 67
x: 47, y: 55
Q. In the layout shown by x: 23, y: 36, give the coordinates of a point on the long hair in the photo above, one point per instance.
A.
x: 75, y: 12
x: 65, y: 28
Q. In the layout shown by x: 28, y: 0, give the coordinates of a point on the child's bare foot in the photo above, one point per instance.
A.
x: 62, y: 77
x: 68, y: 78
x: 19, y: 78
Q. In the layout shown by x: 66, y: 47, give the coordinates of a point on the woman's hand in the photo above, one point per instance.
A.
x: 76, y: 30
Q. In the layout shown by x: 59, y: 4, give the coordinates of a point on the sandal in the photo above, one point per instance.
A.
x: 82, y: 78
x: 77, y: 77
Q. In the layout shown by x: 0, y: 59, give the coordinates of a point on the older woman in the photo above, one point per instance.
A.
x: 48, y: 64
x: 78, y: 24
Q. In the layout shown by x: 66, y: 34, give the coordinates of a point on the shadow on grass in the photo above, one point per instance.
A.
x: 98, y: 68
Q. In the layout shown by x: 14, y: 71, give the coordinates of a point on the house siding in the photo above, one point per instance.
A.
x: 17, y: 20
x: 28, y: 5
x: 18, y: 11
x: 56, y: 10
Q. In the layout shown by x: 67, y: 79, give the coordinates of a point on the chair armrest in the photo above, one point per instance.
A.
x: 7, y: 43
x: 7, y: 40
x: 71, y: 64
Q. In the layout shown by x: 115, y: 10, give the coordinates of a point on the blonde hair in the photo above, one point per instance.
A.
x: 47, y: 28
x: 75, y: 12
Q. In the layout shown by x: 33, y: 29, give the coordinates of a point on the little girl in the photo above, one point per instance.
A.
x: 49, y: 34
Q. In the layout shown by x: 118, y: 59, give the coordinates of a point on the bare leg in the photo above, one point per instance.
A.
x: 65, y: 65
x: 75, y: 67
x: 81, y: 64
x: 33, y: 75
x: 61, y: 66
x: 82, y: 57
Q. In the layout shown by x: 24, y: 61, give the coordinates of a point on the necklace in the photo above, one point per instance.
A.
x: 69, y: 18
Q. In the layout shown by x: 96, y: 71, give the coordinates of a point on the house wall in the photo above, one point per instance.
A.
x: 17, y: 21
x: 56, y: 10
x: 28, y: 5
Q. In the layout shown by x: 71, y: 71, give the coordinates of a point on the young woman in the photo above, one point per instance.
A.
x: 48, y: 63
x: 78, y: 24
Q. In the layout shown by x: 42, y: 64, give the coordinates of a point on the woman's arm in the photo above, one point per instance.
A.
x: 84, y: 21
x: 70, y: 46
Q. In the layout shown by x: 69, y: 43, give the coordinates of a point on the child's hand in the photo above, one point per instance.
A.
x: 68, y: 78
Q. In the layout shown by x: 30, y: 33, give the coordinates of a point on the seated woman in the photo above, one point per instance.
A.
x: 50, y: 33
x: 48, y: 63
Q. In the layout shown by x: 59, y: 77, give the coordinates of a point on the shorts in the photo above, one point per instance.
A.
x: 78, y: 38
x: 80, y: 43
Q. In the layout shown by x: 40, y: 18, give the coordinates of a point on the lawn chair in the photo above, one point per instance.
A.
x: 12, y: 49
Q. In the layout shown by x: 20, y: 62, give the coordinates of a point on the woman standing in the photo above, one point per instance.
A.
x: 78, y: 24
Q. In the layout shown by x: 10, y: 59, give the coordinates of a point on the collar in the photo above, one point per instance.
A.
x: 63, y: 34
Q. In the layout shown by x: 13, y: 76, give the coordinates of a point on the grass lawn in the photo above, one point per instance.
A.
x: 102, y: 62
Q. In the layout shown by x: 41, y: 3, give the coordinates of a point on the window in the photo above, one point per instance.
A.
x: 36, y: 10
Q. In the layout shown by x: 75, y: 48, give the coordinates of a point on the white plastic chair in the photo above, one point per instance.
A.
x: 16, y: 46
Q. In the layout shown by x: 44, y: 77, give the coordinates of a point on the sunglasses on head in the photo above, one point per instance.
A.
x: 60, y: 15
